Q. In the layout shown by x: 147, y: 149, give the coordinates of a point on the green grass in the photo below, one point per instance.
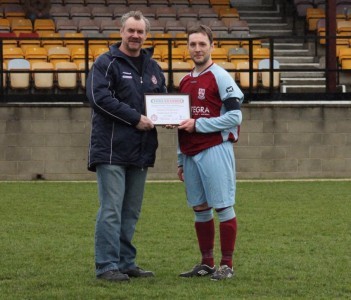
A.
x: 294, y: 241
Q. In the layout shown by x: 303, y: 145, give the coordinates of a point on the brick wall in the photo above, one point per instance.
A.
x: 276, y: 141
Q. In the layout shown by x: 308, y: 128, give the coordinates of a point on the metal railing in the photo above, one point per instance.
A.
x: 252, y: 92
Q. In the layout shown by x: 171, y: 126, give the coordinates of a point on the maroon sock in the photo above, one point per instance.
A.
x: 227, y: 231
x: 205, y: 235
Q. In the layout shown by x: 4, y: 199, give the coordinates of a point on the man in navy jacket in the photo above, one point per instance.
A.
x: 123, y: 144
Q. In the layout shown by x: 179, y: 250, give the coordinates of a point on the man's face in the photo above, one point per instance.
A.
x: 133, y: 35
x: 200, y: 48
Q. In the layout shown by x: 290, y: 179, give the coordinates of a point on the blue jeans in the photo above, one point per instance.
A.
x: 121, y: 191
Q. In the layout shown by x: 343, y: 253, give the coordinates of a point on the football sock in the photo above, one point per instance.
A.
x: 227, y: 231
x: 205, y: 232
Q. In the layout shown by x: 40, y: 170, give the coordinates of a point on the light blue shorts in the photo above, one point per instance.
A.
x: 210, y: 176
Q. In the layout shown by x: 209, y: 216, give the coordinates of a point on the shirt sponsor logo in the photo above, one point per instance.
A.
x: 127, y: 76
x: 201, y: 94
x: 200, y: 110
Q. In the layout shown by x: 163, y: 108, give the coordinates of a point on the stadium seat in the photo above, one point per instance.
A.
x: 156, y: 26
x: 101, y: 12
x: 12, y: 11
x: 217, y: 26
x: 78, y: 12
x: 181, y: 39
x: 312, y: 17
x: 238, y: 28
x: 59, y: 54
x: 54, y: 39
x: 207, y: 12
x: 264, y: 66
x: 88, y: 26
x: 198, y: 4
x: 179, y: 3
x: 59, y: 12
x: 228, y: 42
x: 98, y: 51
x: 343, y: 55
x: 73, y: 39
x: 19, y: 80
x: 65, y: 25
x: 28, y: 39
x: 228, y: 66
x: 115, y: 2
x: 78, y: 55
x: 163, y: 36
x: 180, y: 69
x: 164, y: 67
x: 166, y: 12
x: 66, y: 80
x: 236, y: 55
x: 82, y: 75
x: 228, y: 13
x: 119, y: 11
x: 244, y: 77
x: 44, y: 25
x: 43, y: 80
x: 343, y: 27
x: 177, y: 54
x: 187, y: 13
x: 157, y: 54
x: 157, y: 3
x: 255, y: 44
x: 148, y: 12
x: 21, y: 25
x: 220, y: 3
x: 5, y: 25
x: 35, y: 54
x: 174, y: 27
x: 219, y: 54
x: 260, y: 53
x: 12, y: 53
x: 107, y: 26
x: 139, y: 3
x: 8, y: 43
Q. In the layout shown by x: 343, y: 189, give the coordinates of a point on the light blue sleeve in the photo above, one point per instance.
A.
x: 227, y: 89
x: 227, y: 121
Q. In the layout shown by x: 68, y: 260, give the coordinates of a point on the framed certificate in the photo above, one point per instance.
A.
x: 167, y: 109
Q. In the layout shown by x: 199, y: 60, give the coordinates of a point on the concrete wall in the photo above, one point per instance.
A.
x: 276, y: 141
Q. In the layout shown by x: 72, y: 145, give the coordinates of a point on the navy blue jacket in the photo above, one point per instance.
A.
x: 115, y: 89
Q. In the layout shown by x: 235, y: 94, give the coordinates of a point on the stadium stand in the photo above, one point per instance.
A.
x: 99, y: 21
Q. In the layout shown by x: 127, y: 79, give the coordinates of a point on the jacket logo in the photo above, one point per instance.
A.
x: 201, y: 94
x: 154, y: 79
x: 127, y: 75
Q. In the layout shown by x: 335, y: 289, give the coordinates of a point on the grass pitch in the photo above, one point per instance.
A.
x: 294, y: 241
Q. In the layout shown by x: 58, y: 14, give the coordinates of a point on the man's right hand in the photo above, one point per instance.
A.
x: 145, y: 124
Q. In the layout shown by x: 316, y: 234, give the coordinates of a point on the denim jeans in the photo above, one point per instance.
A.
x: 121, y: 191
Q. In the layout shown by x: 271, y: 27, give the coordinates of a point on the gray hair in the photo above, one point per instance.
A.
x: 137, y: 15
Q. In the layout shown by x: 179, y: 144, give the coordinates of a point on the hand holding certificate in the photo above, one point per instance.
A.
x: 167, y: 109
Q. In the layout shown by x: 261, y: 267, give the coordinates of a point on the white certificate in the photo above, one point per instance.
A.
x: 167, y: 109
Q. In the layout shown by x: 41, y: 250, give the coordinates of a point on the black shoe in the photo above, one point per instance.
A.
x: 199, y: 270
x: 113, y: 275
x: 138, y: 272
